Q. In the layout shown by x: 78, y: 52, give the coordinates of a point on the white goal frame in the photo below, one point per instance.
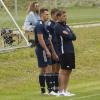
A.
x: 17, y: 26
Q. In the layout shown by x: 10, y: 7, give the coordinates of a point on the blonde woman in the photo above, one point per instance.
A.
x: 32, y: 17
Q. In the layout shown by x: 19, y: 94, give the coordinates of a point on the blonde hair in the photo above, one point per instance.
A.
x: 32, y: 7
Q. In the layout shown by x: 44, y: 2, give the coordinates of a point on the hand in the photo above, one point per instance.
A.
x: 64, y: 32
x: 48, y: 53
x: 55, y: 57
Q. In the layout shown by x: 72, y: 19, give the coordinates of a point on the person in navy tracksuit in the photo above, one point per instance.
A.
x: 55, y: 63
x: 66, y: 52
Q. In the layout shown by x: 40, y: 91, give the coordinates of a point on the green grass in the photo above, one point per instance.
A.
x: 83, y: 15
x: 75, y: 15
x: 19, y: 71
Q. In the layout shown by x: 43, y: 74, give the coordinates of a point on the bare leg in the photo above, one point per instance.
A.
x: 64, y: 79
x: 49, y: 69
x: 61, y: 80
x: 55, y: 68
x: 67, y: 78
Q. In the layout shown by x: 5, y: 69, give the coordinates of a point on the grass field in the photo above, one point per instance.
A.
x: 75, y: 15
x: 19, y: 71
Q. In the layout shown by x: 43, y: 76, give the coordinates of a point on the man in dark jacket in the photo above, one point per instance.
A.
x: 66, y: 53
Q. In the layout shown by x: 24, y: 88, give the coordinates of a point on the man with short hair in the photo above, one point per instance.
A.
x: 55, y: 62
x: 43, y: 52
x: 66, y: 53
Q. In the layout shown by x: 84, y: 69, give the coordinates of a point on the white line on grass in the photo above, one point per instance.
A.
x: 83, y: 97
x: 85, y: 25
x: 73, y: 26
x: 12, y: 48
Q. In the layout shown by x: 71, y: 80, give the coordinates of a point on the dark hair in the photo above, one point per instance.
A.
x: 60, y: 12
x: 42, y: 10
x: 54, y: 10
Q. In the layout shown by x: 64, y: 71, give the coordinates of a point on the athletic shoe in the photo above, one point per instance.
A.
x: 61, y: 93
x: 53, y: 93
x: 69, y: 94
x: 65, y: 93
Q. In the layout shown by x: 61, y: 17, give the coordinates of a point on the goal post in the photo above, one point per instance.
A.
x: 14, y: 21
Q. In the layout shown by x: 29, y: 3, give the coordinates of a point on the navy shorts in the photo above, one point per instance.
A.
x: 67, y: 61
x: 43, y: 60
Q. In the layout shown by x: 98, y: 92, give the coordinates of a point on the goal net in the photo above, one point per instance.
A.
x: 13, y: 14
x: 11, y: 34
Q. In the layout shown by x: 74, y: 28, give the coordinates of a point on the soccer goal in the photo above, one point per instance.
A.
x: 13, y: 13
x: 11, y: 35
